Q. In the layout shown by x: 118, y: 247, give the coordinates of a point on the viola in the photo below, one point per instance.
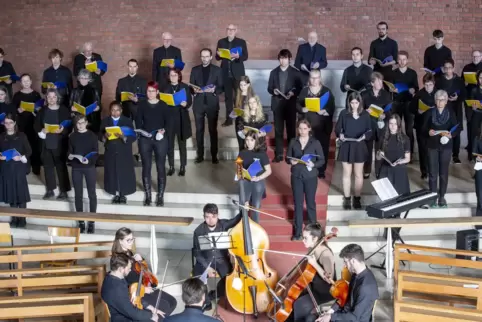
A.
x: 148, y: 278
x: 137, y: 292
x: 290, y: 287
x: 248, y: 286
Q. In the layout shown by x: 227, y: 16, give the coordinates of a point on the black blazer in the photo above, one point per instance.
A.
x: 190, y: 314
x: 212, y: 99
x: 303, y: 56
x: 135, y: 85
x: 159, y: 73
x: 237, y: 65
x: 312, y: 147
x: 293, y: 84
x: 79, y: 63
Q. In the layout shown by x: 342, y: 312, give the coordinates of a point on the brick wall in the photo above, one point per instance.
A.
x: 123, y: 29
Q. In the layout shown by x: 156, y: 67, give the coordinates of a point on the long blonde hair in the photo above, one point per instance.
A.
x: 259, y: 116
x: 238, y: 102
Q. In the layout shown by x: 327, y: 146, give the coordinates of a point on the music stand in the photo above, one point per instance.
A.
x: 211, y: 242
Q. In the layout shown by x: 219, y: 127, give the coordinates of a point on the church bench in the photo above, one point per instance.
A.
x: 405, y: 311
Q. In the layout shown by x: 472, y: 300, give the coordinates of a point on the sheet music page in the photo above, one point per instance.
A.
x: 222, y: 239
x: 384, y: 189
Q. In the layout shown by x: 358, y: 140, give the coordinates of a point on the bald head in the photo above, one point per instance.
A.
x: 476, y: 57
x: 87, y: 49
x: 166, y: 39
x: 312, y: 38
x: 231, y: 31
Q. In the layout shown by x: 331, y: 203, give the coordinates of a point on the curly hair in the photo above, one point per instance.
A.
x: 259, y: 116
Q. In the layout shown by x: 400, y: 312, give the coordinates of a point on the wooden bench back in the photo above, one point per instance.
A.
x: 422, y: 312
x: 52, y: 278
x: 47, y: 306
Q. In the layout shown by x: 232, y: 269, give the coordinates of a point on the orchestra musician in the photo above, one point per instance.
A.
x: 115, y: 293
x: 124, y: 244
x: 323, y: 261
x: 223, y: 265
x: 363, y: 290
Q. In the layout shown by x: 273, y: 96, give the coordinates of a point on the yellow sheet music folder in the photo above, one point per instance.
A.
x: 165, y: 62
x: 224, y: 53
x: 48, y: 85
x: 470, y: 78
x: 27, y: 107
x: 51, y: 128
x: 375, y: 111
x: 112, y: 130
x: 125, y: 96
x: 471, y: 103
x: 312, y: 104
x: 422, y: 107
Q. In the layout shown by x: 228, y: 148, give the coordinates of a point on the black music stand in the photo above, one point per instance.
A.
x: 211, y: 242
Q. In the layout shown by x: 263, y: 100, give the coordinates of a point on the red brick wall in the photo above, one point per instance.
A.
x: 123, y: 29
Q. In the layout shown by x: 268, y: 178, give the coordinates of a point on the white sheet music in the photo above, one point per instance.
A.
x: 222, y: 240
x: 384, y: 189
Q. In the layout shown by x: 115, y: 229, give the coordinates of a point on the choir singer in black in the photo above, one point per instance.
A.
x: 357, y: 76
x: 436, y: 55
x: 232, y: 69
x: 6, y: 69
x: 208, y: 84
x: 311, y: 55
x: 133, y: 83
x: 166, y: 51
x: 58, y: 73
x: 284, y: 86
x: 85, y: 57
x: 86, y: 94
x: 381, y: 49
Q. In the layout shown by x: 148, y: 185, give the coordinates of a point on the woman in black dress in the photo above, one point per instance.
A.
x: 85, y: 94
x: 440, y: 118
x: 84, y: 143
x: 254, y: 117
x: 321, y: 121
x: 243, y: 94
x: 353, y: 128
x: 54, y: 145
x: 6, y: 105
x: 14, y: 172
x: 256, y: 187
x: 304, y: 175
x: 124, y: 243
x: 152, y: 119
x: 119, y: 174
x: 26, y: 119
x: 395, y: 147
x: 179, y: 122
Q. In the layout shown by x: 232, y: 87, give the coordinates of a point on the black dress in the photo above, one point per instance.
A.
x: 393, y: 151
x: 119, y: 175
x: 14, y: 173
x: 352, y: 151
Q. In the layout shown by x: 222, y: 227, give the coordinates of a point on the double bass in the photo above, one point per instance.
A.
x: 291, y: 286
x: 247, y: 287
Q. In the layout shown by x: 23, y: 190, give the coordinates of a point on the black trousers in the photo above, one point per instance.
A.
x: 167, y: 302
x: 438, y: 168
x: 284, y: 114
x: 478, y: 192
x: 211, y: 113
x: 182, y: 148
x: 54, y: 162
x: 230, y: 87
x: 147, y: 146
x: 303, y: 307
x: 223, y: 267
x: 402, y: 109
x: 90, y: 175
x: 304, y: 189
x: 367, y: 166
x: 422, y: 152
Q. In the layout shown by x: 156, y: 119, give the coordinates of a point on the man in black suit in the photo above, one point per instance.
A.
x: 193, y: 296
x: 284, y: 85
x: 134, y: 84
x: 85, y: 57
x: 232, y: 68
x: 207, y: 79
x: 159, y: 74
x: 310, y: 55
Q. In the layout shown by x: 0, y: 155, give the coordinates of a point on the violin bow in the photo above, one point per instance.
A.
x: 160, y: 290
x: 236, y: 202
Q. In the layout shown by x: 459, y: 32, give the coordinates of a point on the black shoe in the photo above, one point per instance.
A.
x: 116, y: 200
x: 182, y: 171
x: 91, y: 227
x: 366, y: 175
x: 321, y: 175
x: 62, y: 196
x: 123, y: 200
x: 161, y: 187
x: 295, y: 238
x: 277, y: 159
x: 171, y: 171
x: 347, y: 203
x: 215, y: 160
x: 208, y: 306
x: 48, y: 195
x: 82, y: 226
x: 357, y: 203
x: 146, y: 183
x: 14, y: 222
x: 456, y: 160
x: 423, y: 176
x: 226, y: 123
x: 199, y: 159
x: 21, y: 222
x: 442, y: 203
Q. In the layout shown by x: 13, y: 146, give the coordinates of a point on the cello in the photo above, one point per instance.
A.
x: 290, y: 287
x: 248, y: 285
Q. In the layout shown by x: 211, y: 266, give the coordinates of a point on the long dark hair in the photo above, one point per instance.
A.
x: 12, y: 117
x: 7, y: 95
x: 306, y: 122
x: 399, y: 133
x: 120, y: 234
x: 258, y: 145
x: 357, y: 97
x: 316, y: 230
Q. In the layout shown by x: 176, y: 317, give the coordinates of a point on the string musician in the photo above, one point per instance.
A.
x: 124, y: 244
x: 323, y: 261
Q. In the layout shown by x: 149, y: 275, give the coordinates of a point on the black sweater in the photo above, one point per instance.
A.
x: 409, y: 78
x: 151, y: 117
x: 83, y: 144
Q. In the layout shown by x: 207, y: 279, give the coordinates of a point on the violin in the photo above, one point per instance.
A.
x: 137, y: 292
x: 339, y: 289
x: 290, y: 287
x: 249, y: 284
x: 148, y: 278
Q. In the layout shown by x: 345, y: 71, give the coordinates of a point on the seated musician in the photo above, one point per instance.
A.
x: 123, y: 244
x: 323, y: 261
x: 363, y: 291
x: 223, y: 265
x: 193, y: 296
x: 115, y: 293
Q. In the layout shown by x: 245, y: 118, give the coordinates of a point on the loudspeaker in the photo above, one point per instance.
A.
x: 467, y: 240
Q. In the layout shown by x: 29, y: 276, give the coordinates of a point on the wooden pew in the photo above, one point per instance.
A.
x: 423, y: 312
x: 20, y: 255
x: 42, y: 306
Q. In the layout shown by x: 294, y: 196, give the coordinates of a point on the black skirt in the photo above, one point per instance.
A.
x: 14, y: 185
x: 353, y: 152
x: 397, y: 175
